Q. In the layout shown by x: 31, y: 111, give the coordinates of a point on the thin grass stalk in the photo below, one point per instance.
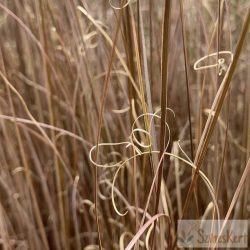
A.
x: 184, y: 42
x: 103, y: 100
x: 164, y: 79
x: 49, y: 86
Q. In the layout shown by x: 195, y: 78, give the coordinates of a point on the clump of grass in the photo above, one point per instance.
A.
x: 118, y: 118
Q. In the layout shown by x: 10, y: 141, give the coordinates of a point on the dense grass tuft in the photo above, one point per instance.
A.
x: 119, y: 118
